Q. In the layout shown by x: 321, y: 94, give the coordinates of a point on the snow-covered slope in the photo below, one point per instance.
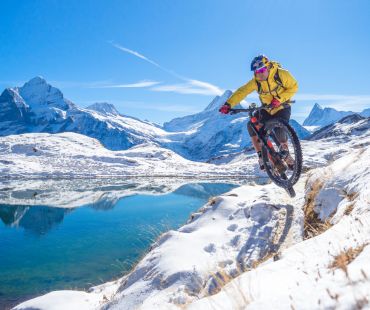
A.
x: 40, y: 155
x: 329, y: 271
x: 353, y: 124
x: 69, y: 154
x: 255, y: 247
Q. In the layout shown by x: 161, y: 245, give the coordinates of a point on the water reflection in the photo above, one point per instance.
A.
x: 87, y: 231
x: 37, y: 219
x: 102, y: 193
x: 64, y: 195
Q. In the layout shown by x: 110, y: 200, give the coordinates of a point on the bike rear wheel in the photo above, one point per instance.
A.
x: 277, y: 168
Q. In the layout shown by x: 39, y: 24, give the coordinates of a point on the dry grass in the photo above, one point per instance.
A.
x: 313, y: 226
x: 352, y: 196
x: 219, y: 280
x: 349, y: 209
x: 212, y: 200
x: 342, y: 260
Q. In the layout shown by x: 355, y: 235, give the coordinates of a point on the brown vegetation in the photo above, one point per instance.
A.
x: 313, y: 225
x: 346, y: 257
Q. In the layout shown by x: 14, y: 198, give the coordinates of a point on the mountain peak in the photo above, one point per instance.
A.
x: 38, y: 92
x: 324, y: 116
x: 104, y: 107
x: 37, y: 80
x: 218, y: 101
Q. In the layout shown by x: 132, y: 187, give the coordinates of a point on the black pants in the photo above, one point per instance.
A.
x: 263, y: 117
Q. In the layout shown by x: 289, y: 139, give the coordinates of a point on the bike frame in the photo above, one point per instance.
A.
x: 259, y: 132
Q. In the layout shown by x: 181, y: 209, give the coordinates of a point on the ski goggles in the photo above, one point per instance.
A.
x: 260, y: 70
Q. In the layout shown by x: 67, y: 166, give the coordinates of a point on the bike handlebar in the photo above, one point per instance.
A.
x: 252, y: 109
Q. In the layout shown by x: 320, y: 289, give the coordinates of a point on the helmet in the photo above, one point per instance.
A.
x: 259, y: 62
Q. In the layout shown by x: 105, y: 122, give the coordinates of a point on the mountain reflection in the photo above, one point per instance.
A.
x: 36, y: 219
x: 39, y: 205
x: 100, y: 193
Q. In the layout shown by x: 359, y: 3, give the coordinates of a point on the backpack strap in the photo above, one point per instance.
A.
x: 258, y: 86
x: 278, y: 79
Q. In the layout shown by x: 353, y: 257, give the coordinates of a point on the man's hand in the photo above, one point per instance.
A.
x: 275, y: 103
x: 225, y: 109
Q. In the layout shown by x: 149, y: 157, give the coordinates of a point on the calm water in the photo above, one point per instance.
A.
x: 45, y: 248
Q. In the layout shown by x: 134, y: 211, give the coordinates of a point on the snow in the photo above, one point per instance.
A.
x: 246, y: 248
x: 42, y: 155
x: 306, y: 266
x: 312, y: 129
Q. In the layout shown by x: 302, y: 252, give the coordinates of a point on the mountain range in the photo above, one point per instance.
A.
x: 39, y: 107
x: 321, y: 117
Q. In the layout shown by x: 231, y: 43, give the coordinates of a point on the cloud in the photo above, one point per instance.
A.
x: 140, y: 84
x: 191, y: 87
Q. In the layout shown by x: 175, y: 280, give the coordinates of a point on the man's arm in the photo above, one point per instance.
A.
x: 290, y: 84
x: 242, y: 92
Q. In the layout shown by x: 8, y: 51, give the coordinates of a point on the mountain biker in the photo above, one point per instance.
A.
x: 275, y: 87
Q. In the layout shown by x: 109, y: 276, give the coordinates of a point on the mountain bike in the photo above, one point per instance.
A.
x: 270, y: 134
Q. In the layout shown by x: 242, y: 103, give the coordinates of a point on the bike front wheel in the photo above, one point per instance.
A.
x: 283, y: 155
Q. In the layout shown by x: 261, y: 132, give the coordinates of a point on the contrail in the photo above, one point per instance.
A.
x: 127, y: 50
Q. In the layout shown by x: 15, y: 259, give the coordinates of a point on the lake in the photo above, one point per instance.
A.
x: 62, y: 234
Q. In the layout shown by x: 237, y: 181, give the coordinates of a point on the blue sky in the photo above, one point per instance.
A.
x: 162, y: 59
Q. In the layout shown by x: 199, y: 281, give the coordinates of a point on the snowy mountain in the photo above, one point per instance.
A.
x: 104, y: 108
x: 209, y: 134
x: 354, y: 124
x: 39, y: 107
x: 324, y: 116
x: 365, y: 113
x: 321, y: 117
x: 302, y: 132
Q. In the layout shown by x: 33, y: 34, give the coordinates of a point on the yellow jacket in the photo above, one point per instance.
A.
x: 269, y: 89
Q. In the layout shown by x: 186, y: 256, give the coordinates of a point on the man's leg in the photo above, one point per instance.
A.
x: 256, y: 144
